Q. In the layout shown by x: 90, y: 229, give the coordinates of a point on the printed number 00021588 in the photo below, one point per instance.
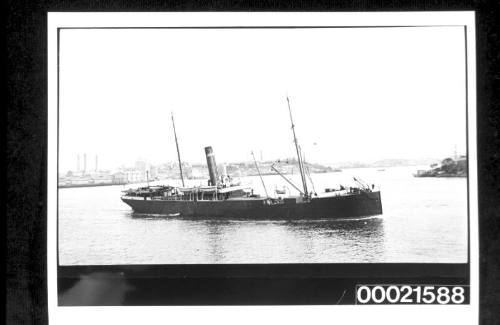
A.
x: 411, y: 294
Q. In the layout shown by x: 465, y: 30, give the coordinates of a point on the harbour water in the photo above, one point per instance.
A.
x: 424, y: 221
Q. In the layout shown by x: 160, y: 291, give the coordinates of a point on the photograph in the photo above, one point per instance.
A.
x: 242, y: 141
x: 262, y: 145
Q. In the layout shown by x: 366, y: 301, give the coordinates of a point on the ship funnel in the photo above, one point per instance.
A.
x: 212, y: 166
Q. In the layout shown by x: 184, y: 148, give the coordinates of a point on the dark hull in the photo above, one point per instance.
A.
x: 336, y: 207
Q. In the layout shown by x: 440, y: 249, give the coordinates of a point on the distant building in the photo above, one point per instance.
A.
x: 141, y: 165
x: 102, y: 178
x: 129, y: 176
x: 197, y: 172
x: 119, y: 178
x: 153, y: 172
x: 136, y: 176
x: 449, y: 167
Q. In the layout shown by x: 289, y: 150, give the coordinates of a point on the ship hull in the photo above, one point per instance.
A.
x: 334, y: 207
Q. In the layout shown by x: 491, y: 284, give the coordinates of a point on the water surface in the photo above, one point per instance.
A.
x: 424, y: 221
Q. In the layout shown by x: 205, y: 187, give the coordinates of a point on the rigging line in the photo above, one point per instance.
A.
x: 310, y: 179
x: 308, y: 173
x: 260, y: 175
x: 286, y: 179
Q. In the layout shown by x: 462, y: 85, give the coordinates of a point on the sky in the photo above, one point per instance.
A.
x: 359, y: 94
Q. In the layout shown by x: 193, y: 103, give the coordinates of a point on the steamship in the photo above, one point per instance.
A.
x: 223, y: 198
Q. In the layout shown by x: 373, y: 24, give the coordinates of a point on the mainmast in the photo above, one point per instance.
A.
x: 301, y: 168
x: 178, y: 153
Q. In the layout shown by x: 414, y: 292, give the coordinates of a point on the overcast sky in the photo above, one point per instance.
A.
x: 356, y: 93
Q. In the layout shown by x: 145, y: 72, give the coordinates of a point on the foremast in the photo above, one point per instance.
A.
x: 178, y: 153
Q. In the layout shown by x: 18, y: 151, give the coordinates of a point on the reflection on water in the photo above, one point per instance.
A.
x: 371, y: 227
x: 304, y: 241
x: 424, y: 220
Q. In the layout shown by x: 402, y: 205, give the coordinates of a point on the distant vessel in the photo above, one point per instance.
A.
x: 88, y: 181
x: 222, y: 198
x: 449, y: 167
x: 89, y: 185
x: 281, y: 191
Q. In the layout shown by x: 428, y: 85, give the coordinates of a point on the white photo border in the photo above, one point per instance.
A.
x: 415, y: 314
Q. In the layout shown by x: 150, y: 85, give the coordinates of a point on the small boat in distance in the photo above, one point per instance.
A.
x: 280, y: 191
x: 222, y: 198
